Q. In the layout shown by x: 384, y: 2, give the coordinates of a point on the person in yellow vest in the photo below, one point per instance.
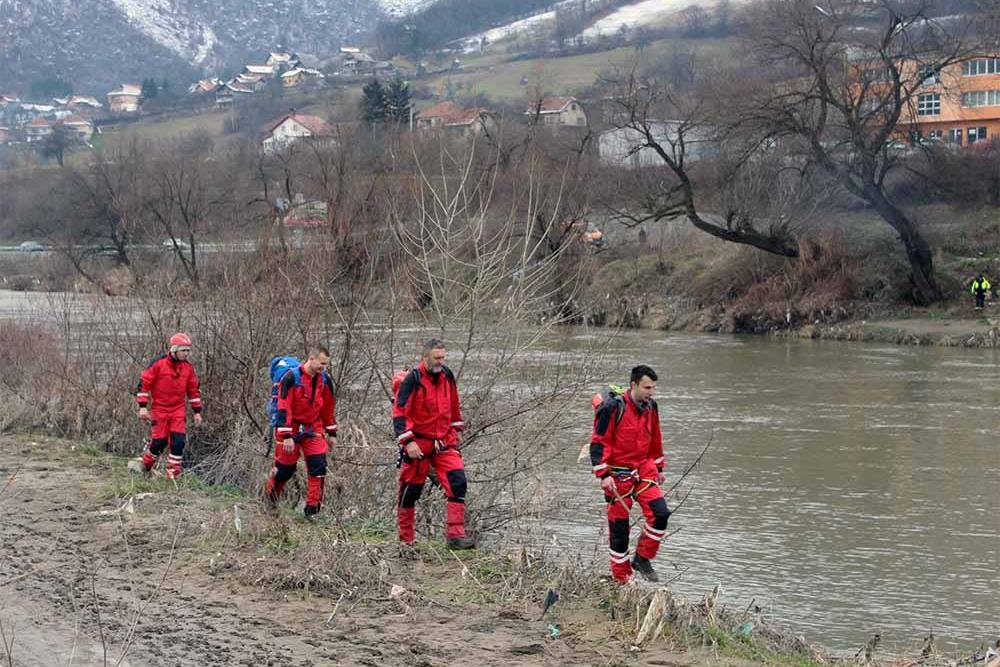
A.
x: 980, y: 287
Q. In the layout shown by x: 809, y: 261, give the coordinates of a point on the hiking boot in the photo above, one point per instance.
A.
x: 310, y: 512
x: 460, y: 543
x: 644, y: 568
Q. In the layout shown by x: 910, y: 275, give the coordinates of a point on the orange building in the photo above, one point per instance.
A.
x: 961, y: 105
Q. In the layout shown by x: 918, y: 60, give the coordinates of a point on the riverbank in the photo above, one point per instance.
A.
x: 96, y: 562
x: 102, y: 567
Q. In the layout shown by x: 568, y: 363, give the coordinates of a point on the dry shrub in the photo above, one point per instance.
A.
x: 818, y: 285
x: 30, y: 361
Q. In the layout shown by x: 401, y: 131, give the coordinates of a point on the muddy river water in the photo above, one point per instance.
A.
x: 849, y: 488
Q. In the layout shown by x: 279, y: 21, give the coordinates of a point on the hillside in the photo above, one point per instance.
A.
x: 96, y: 44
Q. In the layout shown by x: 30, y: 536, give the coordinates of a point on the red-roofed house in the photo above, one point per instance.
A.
x: 293, y: 127
x: 452, y: 118
x: 37, y: 130
x: 558, y: 111
x: 437, y: 115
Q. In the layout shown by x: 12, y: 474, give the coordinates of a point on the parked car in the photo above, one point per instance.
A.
x: 31, y: 246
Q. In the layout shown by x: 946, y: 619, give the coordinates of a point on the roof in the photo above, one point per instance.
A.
x: 350, y: 49
x: 314, y: 124
x: 468, y: 116
x: 39, y: 122
x: 280, y: 56
x: 73, y: 119
x: 552, y: 105
x: 444, y: 109
x: 259, y: 69
x: 292, y: 72
x: 237, y: 87
x: 89, y: 101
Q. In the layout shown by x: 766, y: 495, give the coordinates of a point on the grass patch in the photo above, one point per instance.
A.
x: 502, y: 80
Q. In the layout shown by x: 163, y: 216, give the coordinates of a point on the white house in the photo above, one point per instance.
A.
x: 294, y: 127
x: 623, y: 146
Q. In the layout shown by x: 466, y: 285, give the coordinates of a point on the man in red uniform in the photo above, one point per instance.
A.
x: 305, y: 424
x: 626, y: 450
x: 428, y: 422
x: 169, y: 383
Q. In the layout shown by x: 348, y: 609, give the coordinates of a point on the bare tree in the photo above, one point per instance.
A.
x: 677, y: 127
x: 178, y: 202
x: 851, y: 73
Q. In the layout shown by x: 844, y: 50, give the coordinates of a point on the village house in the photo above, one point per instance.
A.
x: 282, y: 60
x: 125, y: 99
x: 37, y: 130
x: 453, y: 119
x: 232, y: 93
x: 78, y: 127
x: 558, y: 112
x: 293, y: 127
x: 355, y: 62
x: 437, y: 116
x: 205, y: 86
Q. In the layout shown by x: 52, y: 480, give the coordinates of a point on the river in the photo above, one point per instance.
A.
x: 849, y: 489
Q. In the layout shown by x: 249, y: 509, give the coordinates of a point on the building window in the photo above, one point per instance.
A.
x: 981, y: 98
x: 935, y: 135
x: 977, y: 134
x: 928, y: 75
x: 929, y: 105
x: 980, y: 66
x: 955, y: 135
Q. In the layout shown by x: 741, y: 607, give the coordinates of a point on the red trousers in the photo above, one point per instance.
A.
x: 166, y: 427
x: 313, y: 449
x: 450, y: 473
x: 643, y: 486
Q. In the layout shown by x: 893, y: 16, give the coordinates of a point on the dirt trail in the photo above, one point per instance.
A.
x: 59, y: 543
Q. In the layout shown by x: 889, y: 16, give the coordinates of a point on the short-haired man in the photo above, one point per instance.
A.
x: 165, y: 389
x: 626, y: 451
x: 306, y: 425
x: 427, y: 420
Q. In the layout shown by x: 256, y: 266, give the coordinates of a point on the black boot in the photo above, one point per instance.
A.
x: 644, y: 568
x: 460, y: 543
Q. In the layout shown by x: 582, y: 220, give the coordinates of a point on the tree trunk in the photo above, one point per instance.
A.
x: 918, y: 251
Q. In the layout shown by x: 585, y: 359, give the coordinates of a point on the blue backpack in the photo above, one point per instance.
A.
x: 279, y: 367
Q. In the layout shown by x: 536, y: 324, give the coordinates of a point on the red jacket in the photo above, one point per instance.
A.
x: 426, y: 407
x: 305, y: 404
x: 169, y: 383
x: 626, y: 436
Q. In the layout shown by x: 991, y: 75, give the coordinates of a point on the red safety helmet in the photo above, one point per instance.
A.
x: 179, y: 340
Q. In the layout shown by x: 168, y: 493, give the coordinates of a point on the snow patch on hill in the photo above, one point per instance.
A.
x: 189, y: 40
x: 403, y: 7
